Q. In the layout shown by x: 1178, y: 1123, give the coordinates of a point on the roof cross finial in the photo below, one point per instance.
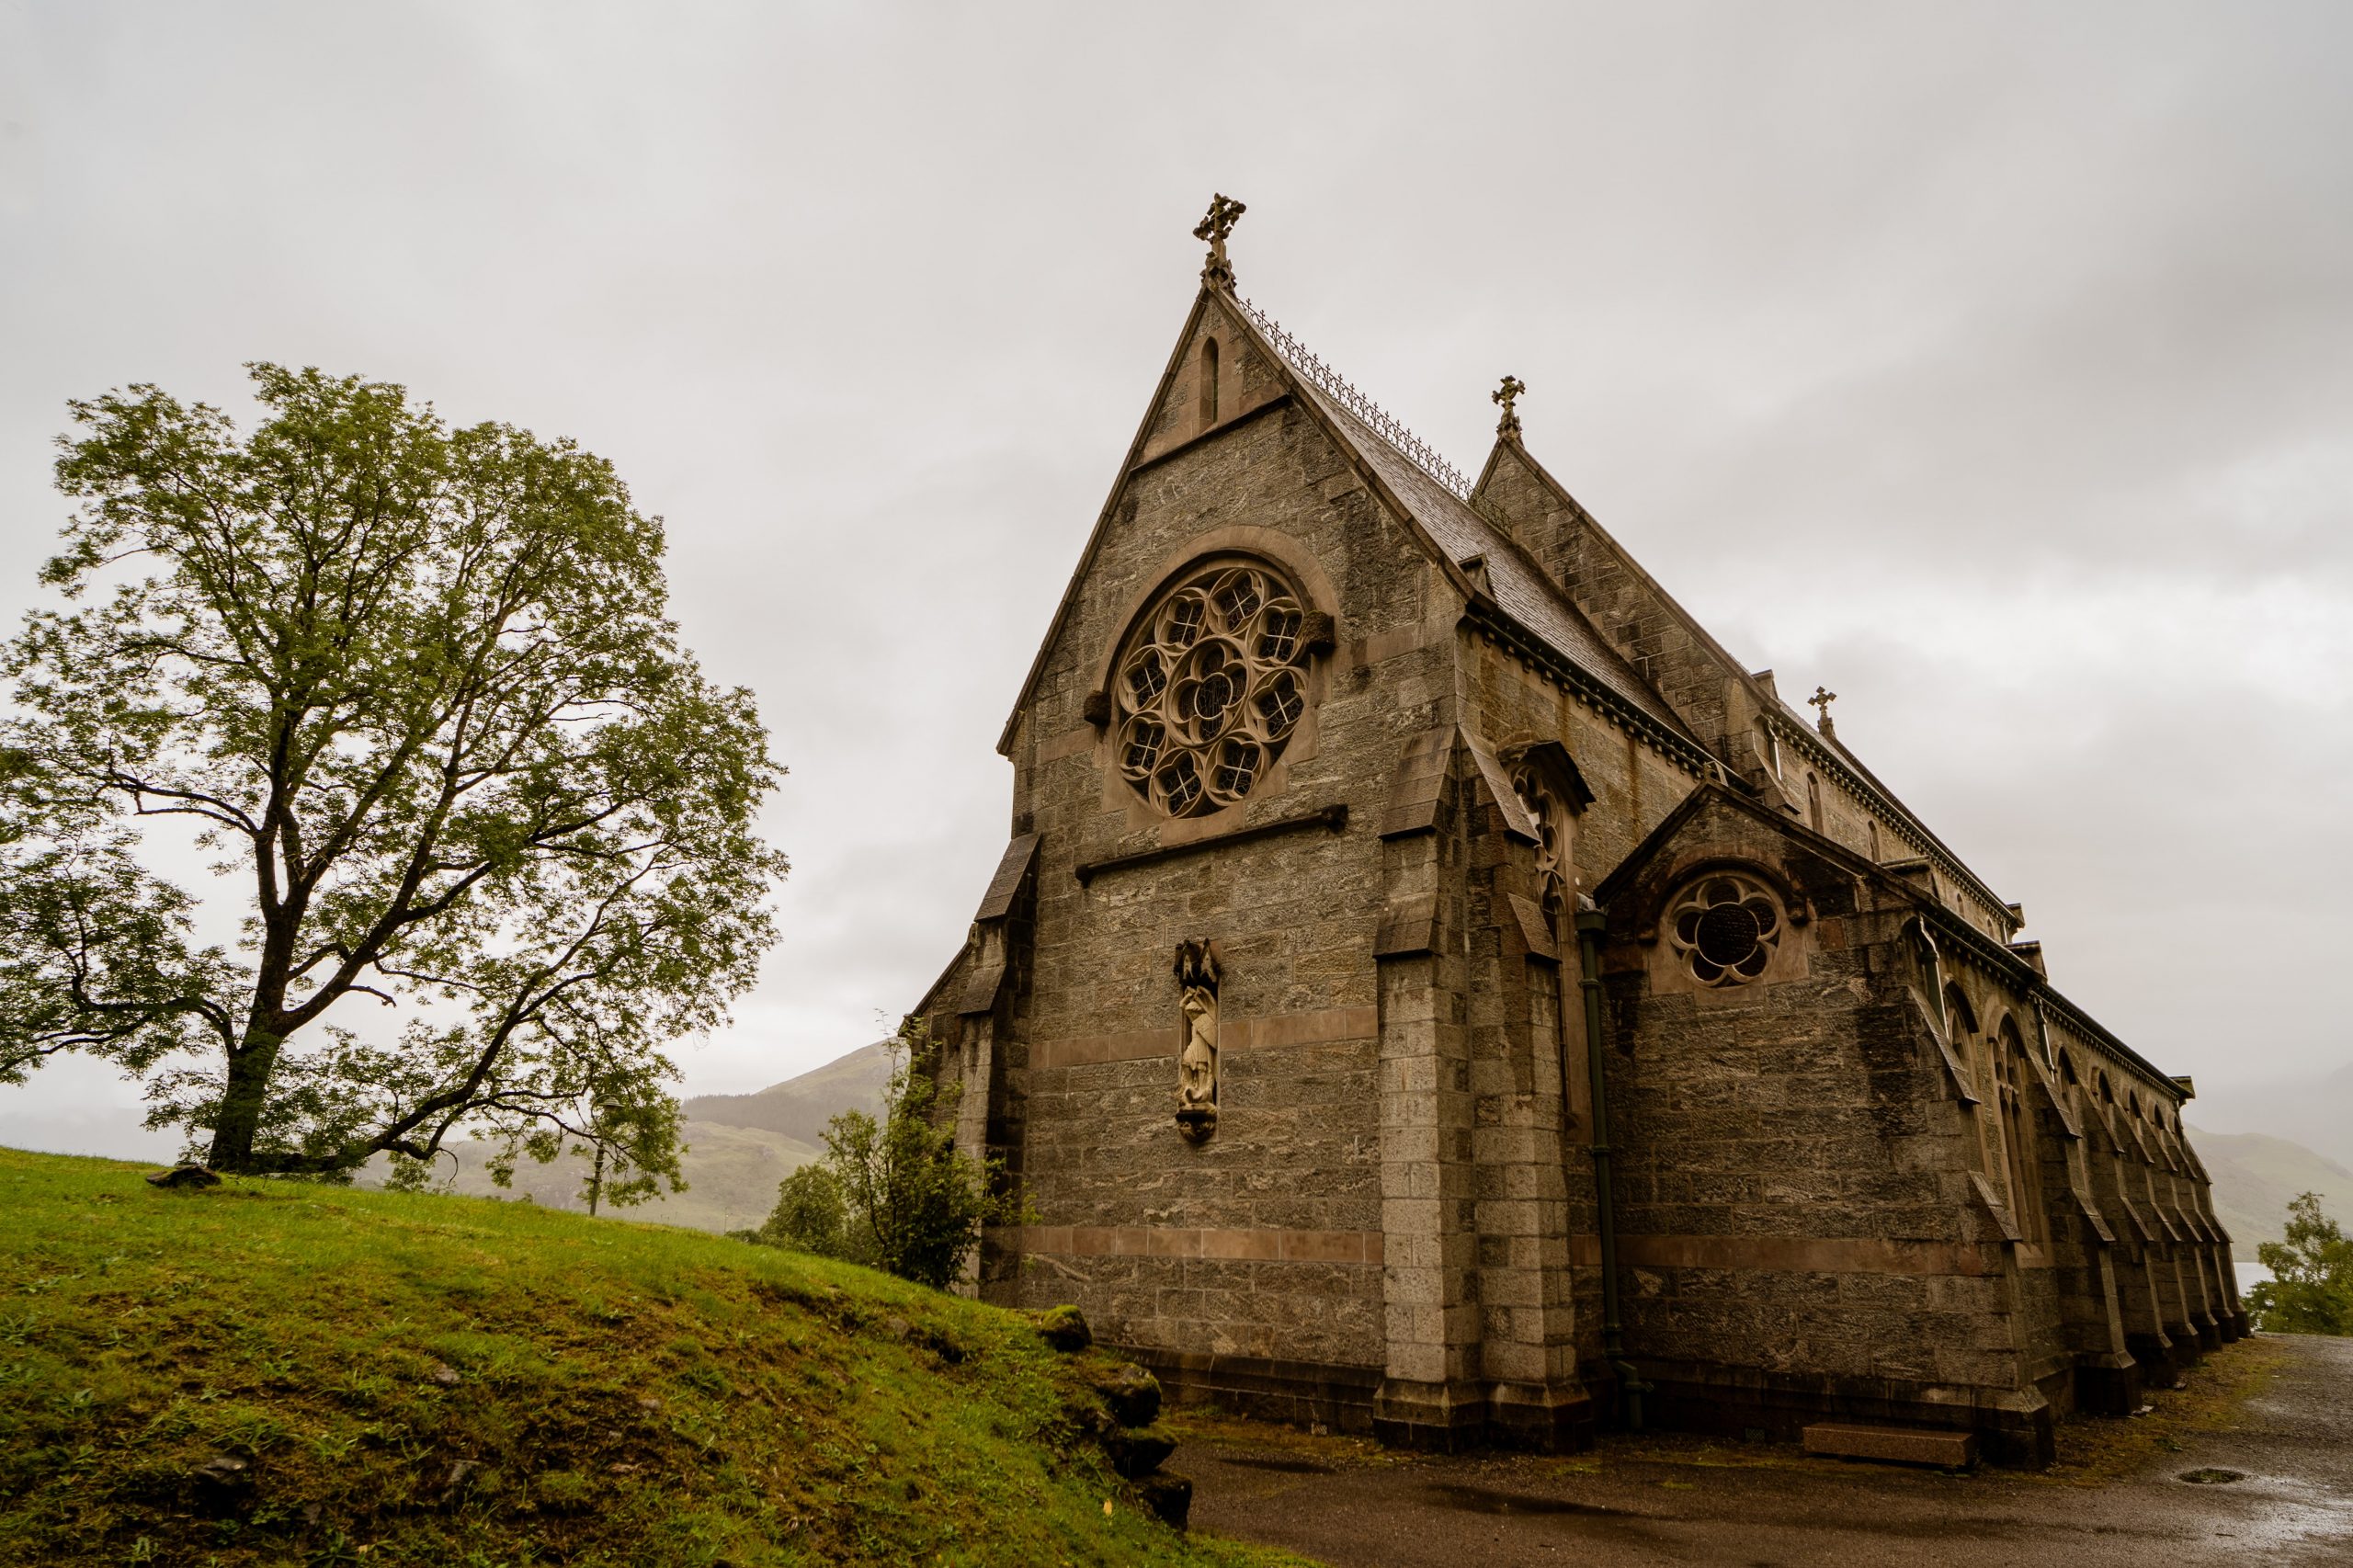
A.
x: 1222, y: 215
x: 1820, y: 702
x: 1505, y: 395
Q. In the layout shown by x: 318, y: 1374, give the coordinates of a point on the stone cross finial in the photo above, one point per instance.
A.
x: 1820, y: 702
x: 1222, y: 215
x: 1505, y: 395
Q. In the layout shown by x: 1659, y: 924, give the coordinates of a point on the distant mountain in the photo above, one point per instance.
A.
x: 2316, y: 1113
x: 799, y: 1108
x: 2256, y: 1176
x: 739, y: 1147
x: 732, y: 1176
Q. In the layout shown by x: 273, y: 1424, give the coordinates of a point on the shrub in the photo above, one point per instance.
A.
x: 2310, y: 1288
x: 896, y: 1194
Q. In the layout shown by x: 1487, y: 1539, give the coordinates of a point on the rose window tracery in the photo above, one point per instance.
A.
x: 1213, y: 687
x: 1726, y: 928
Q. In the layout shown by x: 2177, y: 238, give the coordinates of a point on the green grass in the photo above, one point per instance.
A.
x: 420, y: 1379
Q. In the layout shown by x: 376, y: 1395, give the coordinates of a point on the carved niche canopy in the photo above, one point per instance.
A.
x: 1197, y: 1051
x: 1210, y: 687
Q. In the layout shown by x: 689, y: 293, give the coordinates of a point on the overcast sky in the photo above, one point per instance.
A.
x: 1991, y: 365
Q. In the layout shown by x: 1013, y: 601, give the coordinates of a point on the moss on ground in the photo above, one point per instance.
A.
x: 274, y: 1372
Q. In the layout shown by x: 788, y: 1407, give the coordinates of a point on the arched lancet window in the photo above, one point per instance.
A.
x: 1209, y: 381
x: 2017, y: 1133
x: 1210, y: 688
x: 1873, y: 828
x: 1961, y: 1022
x: 1814, y: 802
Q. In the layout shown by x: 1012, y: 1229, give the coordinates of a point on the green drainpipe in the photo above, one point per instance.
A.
x: 1591, y: 923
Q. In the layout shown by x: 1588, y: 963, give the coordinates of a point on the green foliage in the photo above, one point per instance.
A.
x: 895, y: 1193
x: 424, y: 1382
x: 812, y: 1215
x: 415, y: 689
x: 2310, y: 1288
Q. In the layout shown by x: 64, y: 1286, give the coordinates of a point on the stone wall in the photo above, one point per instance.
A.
x: 1853, y: 1185
x: 1820, y: 1201
x: 1254, y: 1260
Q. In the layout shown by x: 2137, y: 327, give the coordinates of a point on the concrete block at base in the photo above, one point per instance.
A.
x: 1893, y: 1445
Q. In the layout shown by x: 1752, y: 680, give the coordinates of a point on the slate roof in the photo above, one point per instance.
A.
x: 1521, y: 589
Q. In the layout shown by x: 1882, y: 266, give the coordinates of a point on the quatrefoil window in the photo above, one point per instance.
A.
x: 1212, y: 685
x: 1726, y: 928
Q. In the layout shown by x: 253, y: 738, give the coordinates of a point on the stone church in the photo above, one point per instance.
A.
x: 1432, y: 987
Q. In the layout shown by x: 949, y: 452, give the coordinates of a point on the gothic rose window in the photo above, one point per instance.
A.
x: 1725, y: 927
x: 1210, y: 688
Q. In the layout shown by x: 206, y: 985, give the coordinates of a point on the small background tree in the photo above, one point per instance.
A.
x: 2310, y: 1288
x: 895, y: 1193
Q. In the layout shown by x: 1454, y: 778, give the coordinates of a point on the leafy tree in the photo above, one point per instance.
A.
x: 415, y: 688
x: 2310, y: 1288
x: 93, y: 955
x: 896, y: 1193
x: 608, y: 1128
x: 811, y: 1216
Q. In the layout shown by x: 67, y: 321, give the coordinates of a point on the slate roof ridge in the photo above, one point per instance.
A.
x: 1845, y: 755
x: 1766, y: 699
x: 1338, y: 388
x: 1692, y: 624
x: 1527, y: 595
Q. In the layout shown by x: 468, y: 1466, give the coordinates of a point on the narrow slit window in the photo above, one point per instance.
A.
x: 1208, y: 382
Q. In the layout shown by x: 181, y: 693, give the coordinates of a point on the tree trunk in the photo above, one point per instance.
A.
x: 243, y: 1099
x: 597, y: 1180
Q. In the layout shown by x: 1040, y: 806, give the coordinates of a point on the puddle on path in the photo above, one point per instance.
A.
x: 1484, y: 1500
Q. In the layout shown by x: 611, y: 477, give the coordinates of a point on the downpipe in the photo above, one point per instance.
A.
x: 1591, y: 923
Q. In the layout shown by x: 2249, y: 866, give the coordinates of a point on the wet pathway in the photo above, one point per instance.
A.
x: 2270, y: 1440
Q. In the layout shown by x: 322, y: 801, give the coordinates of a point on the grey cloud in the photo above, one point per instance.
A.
x: 1934, y: 352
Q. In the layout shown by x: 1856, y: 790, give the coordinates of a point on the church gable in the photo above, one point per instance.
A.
x: 1287, y: 1015
x: 1699, y: 680
x: 1246, y: 552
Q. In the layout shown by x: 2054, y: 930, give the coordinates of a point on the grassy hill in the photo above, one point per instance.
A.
x: 275, y: 1372
x: 2256, y: 1177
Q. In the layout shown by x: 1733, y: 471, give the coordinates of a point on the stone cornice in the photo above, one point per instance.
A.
x: 2006, y: 965
x: 1488, y: 618
x: 1899, y: 816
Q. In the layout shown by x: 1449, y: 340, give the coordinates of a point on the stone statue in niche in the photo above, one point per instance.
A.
x: 1197, y: 1056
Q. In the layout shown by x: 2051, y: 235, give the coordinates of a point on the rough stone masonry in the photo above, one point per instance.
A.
x: 1432, y: 988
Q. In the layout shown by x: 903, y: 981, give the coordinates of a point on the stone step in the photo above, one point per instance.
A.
x: 1893, y: 1445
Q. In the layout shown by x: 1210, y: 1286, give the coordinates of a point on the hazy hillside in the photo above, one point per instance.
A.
x: 2316, y: 1113
x: 799, y: 1108
x: 739, y: 1147
x: 732, y: 1176
x: 2256, y: 1176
